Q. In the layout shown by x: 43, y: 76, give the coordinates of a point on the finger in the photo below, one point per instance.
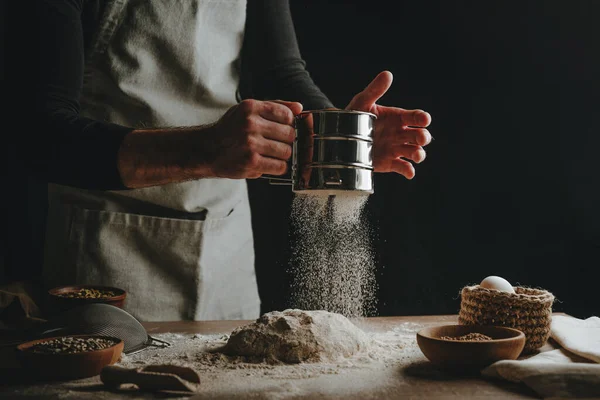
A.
x: 276, y: 112
x: 278, y: 132
x: 419, y: 136
x: 271, y: 166
x: 417, y: 118
x: 409, y: 151
x: 294, y: 106
x: 274, y: 149
x: 365, y: 100
x: 403, y: 167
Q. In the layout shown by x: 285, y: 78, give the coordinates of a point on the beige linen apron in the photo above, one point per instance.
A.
x: 182, y: 251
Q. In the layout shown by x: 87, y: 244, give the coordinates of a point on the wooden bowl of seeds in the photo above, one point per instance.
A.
x: 69, y: 357
x: 470, y: 346
x: 64, y: 298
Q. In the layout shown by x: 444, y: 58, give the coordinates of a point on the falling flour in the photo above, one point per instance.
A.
x: 332, y: 263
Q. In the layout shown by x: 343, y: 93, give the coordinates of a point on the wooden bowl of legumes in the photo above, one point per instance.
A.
x: 64, y: 298
x: 469, y: 347
x: 69, y: 357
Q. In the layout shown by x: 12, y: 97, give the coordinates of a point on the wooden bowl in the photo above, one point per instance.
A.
x: 64, y: 366
x: 59, y: 303
x: 506, y: 344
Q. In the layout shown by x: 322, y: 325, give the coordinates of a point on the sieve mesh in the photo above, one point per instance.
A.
x: 102, y: 319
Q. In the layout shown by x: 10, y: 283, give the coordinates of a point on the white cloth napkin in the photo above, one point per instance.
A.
x: 573, y: 371
x: 581, y: 337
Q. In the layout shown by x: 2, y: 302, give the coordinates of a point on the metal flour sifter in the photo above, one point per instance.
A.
x: 332, y: 152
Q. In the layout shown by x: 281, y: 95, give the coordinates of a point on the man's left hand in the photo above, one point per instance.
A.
x: 399, y: 134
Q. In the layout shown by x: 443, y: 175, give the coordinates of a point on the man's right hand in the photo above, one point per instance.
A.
x: 253, y: 138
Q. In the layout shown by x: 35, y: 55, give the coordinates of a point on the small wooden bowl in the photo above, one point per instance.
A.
x: 65, y: 366
x: 506, y: 344
x: 58, y: 303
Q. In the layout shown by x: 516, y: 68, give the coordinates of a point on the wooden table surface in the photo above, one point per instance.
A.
x: 417, y: 379
x: 421, y: 380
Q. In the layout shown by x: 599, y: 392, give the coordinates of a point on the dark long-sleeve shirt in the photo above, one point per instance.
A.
x: 49, y: 39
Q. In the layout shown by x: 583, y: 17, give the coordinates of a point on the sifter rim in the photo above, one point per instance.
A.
x: 335, y: 111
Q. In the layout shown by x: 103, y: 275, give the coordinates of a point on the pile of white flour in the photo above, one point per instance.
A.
x: 332, y: 263
x: 294, y: 336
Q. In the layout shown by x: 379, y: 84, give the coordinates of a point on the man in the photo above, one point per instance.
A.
x: 151, y: 143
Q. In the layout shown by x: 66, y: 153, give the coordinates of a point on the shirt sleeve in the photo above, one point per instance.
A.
x: 272, y: 67
x: 45, y: 58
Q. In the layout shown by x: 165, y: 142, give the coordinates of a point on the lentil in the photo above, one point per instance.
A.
x: 88, y: 294
x: 469, y: 337
x: 69, y: 345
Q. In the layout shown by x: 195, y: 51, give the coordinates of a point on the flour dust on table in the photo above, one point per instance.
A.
x: 391, y: 367
x: 349, y: 371
x: 332, y: 263
x: 371, y: 370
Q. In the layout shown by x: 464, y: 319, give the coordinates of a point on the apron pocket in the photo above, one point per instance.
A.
x: 172, y: 269
x: 154, y: 259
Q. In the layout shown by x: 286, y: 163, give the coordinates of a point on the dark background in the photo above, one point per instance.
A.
x: 510, y: 185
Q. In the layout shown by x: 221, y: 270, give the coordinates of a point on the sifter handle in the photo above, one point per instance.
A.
x: 273, y: 180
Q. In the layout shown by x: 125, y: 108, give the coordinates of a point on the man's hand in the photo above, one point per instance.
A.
x: 399, y: 134
x: 254, y: 138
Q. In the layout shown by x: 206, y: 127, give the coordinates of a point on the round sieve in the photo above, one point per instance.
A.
x: 101, y: 319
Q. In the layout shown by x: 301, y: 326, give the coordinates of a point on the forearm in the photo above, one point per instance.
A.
x: 291, y: 82
x: 67, y: 149
x: 272, y: 67
x: 150, y: 157
x: 54, y: 143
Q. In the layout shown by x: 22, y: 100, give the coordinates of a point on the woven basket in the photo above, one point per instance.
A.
x: 528, y: 310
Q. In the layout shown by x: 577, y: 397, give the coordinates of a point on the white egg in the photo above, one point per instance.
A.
x: 498, y: 283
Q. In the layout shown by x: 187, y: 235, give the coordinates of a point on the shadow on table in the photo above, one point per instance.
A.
x: 13, y: 377
x: 429, y: 372
x: 22, y: 381
x: 426, y: 370
x: 131, y: 391
x: 20, y: 376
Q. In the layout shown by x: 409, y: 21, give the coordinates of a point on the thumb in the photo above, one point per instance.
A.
x: 292, y: 105
x: 366, y: 99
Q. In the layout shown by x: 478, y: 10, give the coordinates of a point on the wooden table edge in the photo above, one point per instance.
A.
x: 226, y: 326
